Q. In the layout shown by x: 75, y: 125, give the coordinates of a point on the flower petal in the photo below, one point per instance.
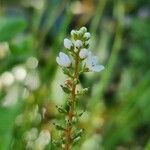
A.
x: 94, y: 60
x: 63, y: 60
x: 97, y: 68
x: 61, y: 54
x: 64, y: 57
x: 58, y: 60
x: 88, y: 62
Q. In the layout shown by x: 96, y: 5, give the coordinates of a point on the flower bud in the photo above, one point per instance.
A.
x: 83, y: 53
x: 78, y: 44
x: 67, y: 43
x: 73, y: 32
x: 87, y: 35
x: 83, y: 29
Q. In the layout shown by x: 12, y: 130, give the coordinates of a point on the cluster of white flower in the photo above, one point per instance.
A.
x: 79, y: 44
x: 35, y: 140
x: 19, y: 81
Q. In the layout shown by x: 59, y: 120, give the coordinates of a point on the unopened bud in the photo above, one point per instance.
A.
x: 67, y: 43
x: 78, y: 44
x: 83, y: 53
x: 83, y: 29
x: 87, y: 35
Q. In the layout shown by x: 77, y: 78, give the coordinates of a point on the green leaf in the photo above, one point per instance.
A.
x: 58, y: 127
x: 22, y: 47
x: 66, y: 71
x: 77, y: 134
x: 61, y: 110
x: 2, y: 94
x: 147, y: 146
x: 65, y: 89
x: 57, y: 142
x: 11, y: 26
x: 7, y: 118
x: 80, y: 114
x: 76, y: 140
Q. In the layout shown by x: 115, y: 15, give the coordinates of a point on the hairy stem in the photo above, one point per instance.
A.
x: 70, y: 114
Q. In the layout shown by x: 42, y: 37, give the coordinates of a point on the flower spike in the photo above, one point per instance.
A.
x: 82, y: 61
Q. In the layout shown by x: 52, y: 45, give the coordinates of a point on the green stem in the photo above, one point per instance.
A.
x: 96, y: 19
x: 70, y: 114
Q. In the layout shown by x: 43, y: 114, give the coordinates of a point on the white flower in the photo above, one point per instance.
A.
x: 83, y: 53
x: 67, y: 43
x: 19, y: 73
x: 91, y: 64
x: 32, y: 134
x: 87, y: 35
x: 43, y: 140
x: 7, y: 79
x: 63, y: 60
x: 78, y: 44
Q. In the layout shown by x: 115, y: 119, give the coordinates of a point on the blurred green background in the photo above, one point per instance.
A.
x: 117, y: 108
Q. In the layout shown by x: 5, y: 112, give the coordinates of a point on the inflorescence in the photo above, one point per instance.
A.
x: 79, y: 59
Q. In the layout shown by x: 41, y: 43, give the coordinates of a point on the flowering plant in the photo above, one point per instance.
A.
x: 78, y: 60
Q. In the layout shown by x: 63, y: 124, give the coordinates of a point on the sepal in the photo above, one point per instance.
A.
x: 67, y: 72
